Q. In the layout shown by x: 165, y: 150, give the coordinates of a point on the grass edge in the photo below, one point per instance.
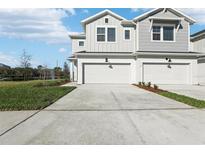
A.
x: 163, y: 93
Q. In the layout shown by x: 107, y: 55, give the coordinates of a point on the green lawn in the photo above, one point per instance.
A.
x: 184, y: 99
x: 31, y: 95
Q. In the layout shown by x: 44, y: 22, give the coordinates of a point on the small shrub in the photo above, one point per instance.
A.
x: 149, y: 84
x: 143, y: 83
x: 156, y: 87
x: 140, y: 83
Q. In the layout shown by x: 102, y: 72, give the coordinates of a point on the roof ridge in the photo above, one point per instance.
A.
x: 146, y: 14
x: 100, y: 13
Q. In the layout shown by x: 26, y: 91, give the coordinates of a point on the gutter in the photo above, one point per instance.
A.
x: 71, y: 58
x: 96, y: 54
x: 188, y: 54
x: 201, y: 57
x: 197, y: 37
x: 137, y: 54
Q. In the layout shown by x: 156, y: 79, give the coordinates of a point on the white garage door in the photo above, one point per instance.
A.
x: 106, y: 73
x: 165, y: 74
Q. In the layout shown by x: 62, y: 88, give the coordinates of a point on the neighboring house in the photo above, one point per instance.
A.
x: 198, y: 45
x: 4, y: 66
x: 153, y: 47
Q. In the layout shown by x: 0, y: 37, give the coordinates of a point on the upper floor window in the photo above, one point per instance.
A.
x: 156, y: 33
x: 127, y: 34
x: 168, y: 33
x: 81, y: 43
x: 106, y: 20
x: 163, y: 33
x: 111, y: 34
x: 101, y: 34
x: 106, y: 34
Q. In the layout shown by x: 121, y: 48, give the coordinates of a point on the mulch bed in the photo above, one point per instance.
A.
x: 150, y: 88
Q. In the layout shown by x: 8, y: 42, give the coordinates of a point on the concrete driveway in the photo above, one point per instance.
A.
x: 111, y: 114
x: 194, y: 91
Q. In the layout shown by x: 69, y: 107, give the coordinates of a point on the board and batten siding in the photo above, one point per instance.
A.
x: 181, y: 43
x: 75, y: 45
x: 120, y: 45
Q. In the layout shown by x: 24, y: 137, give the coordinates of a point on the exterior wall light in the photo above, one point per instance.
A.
x: 106, y: 59
x: 169, y: 61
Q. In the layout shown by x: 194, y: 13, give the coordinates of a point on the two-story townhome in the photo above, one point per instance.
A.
x: 198, y: 45
x: 153, y: 47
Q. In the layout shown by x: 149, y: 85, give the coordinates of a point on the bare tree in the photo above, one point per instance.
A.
x: 25, y: 60
x: 45, y: 72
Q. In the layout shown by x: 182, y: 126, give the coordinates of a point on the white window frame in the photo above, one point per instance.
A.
x: 107, y: 34
x: 81, y: 41
x: 124, y: 34
x: 156, y: 33
x: 100, y: 34
x: 162, y: 33
x: 106, y: 27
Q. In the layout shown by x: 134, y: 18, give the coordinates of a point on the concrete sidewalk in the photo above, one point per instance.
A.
x: 9, y: 119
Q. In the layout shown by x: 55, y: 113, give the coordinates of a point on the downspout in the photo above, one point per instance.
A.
x: 135, y: 51
x: 134, y: 37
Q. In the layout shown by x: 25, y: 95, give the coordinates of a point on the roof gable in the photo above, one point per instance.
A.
x: 157, y: 10
x: 101, y: 14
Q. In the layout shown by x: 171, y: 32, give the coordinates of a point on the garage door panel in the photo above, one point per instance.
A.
x: 106, y: 73
x: 163, y: 74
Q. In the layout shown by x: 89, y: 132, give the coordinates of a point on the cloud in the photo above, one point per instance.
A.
x: 35, y: 24
x: 70, y: 11
x: 8, y: 60
x: 85, y: 11
x: 196, y: 13
x: 140, y: 9
x: 62, y: 50
x: 14, y: 60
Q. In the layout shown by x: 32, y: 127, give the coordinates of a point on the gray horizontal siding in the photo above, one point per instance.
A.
x: 181, y: 42
x: 199, y: 45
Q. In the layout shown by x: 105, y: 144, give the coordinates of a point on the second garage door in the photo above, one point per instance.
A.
x: 160, y: 73
x: 106, y: 73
